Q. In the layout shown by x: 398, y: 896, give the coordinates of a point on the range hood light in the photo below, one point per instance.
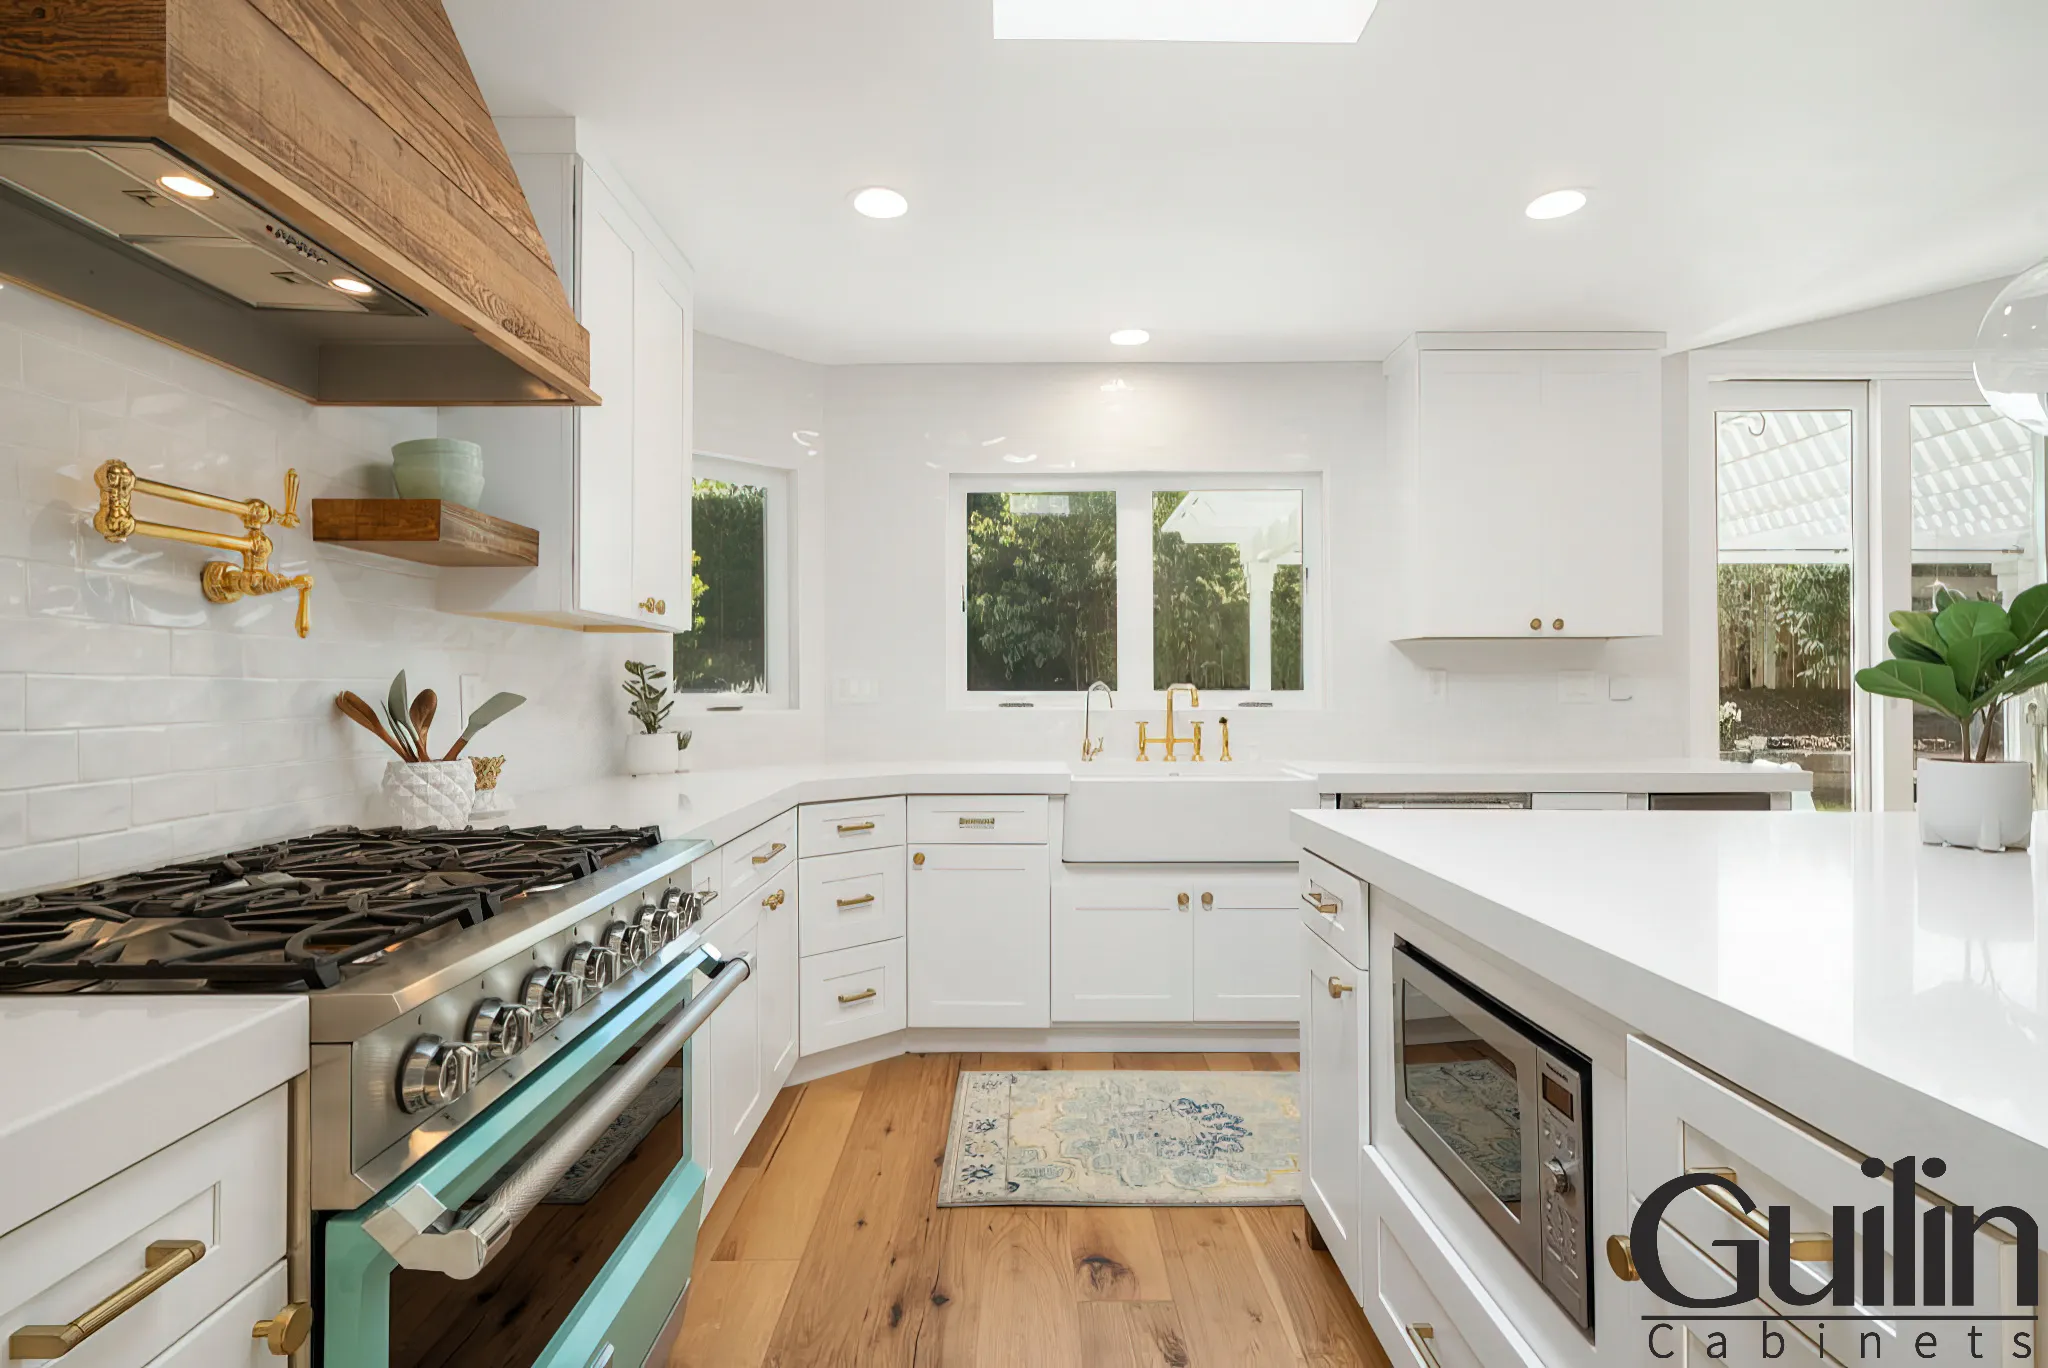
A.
x: 350, y: 285
x: 186, y: 186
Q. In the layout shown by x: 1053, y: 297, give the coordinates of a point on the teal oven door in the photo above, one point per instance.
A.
x: 555, y: 1228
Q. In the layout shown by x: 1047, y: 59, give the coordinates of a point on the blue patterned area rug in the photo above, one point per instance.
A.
x: 1124, y: 1137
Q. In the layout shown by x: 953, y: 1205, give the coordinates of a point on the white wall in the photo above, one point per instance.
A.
x: 139, y: 723
x: 895, y: 434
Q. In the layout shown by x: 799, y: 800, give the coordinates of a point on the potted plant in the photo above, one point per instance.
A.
x: 1964, y: 660
x: 424, y: 792
x: 650, y: 750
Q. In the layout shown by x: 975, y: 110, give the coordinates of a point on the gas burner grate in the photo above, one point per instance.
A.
x: 294, y: 914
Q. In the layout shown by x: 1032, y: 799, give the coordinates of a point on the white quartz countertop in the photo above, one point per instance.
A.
x: 1891, y: 994
x: 1554, y: 776
x: 97, y: 1082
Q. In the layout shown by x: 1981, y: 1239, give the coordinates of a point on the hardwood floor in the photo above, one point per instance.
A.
x: 826, y: 1250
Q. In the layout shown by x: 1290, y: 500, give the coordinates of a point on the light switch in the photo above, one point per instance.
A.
x: 1439, y: 683
x: 856, y: 689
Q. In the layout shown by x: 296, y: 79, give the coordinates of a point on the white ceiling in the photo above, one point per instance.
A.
x: 1752, y: 163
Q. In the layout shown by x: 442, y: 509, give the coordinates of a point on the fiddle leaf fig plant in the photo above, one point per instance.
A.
x: 1965, y: 658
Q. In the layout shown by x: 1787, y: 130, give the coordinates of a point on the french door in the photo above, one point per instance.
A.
x: 1836, y: 503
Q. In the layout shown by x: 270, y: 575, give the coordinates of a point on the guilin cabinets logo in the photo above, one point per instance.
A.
x: 1889, y: 1282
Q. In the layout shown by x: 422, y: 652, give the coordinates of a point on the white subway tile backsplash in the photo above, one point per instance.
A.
x: 56, y: 814
x: 140, y: 723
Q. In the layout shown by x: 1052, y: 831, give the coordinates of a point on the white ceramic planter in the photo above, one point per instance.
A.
x: 435, y: 794
x: 655, y: 753
x: 1988, y: 806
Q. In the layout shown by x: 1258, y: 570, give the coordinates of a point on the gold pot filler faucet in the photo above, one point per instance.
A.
x: 221, y: 581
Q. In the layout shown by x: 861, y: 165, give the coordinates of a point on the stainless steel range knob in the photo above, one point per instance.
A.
x: 499, y: 1029
x: 434, y: 1073
x: 661, y: 923
x: 628, y: 942
x: 593, y: 966
x: 550, y: 995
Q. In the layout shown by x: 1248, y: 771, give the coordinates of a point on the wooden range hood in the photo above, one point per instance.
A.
x: 343, y: 140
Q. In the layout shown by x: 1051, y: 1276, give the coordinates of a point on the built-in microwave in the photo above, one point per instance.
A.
x: 1504, y: 1109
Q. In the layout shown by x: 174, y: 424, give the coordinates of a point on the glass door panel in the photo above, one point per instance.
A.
x: 1786, y: 485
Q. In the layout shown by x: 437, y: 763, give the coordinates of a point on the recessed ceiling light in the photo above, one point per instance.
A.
x: 186, y: 186
x: 350, y: 285
x: 1209, y: 21
x: 1556, y: 204
x: 880, y: 202
x: 1130, y: 337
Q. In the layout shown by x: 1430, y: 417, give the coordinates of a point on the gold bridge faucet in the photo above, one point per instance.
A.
x: 220, y: 581
x: 1172, y: 739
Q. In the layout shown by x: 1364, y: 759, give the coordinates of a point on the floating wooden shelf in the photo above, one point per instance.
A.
x: 427, y: 530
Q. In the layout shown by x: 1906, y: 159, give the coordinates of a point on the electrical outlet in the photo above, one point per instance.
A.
x: 856, y: 689
x: 1620, y: 688
x: 1439, y: 683
x: 1577, y: 686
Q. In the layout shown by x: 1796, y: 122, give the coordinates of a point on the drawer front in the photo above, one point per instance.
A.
x: 223, y: 1340
x: 759, y: 854
x: 851, y: 899
x: 707, y: 879
x: 1333, y: 904
x: 1683, y: 1120
x: 852, y: 995
x: 222, y: 1186
x: 862, y: 824
x: 979, y: 820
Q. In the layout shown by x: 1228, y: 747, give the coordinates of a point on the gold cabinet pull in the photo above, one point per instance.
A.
x: 862, y: 901
x: 1182, y: 899
x: 773, y: 851
x: 854, y: 828
x: 1806, y: 1248
x: 1422, y: 1335
x: 1338, y: 987
x: 977, y: 821
x: 774, y: 900
x: 658, y: 607
x: 862, y: 996
x: 1328, y: 909
x: 1622, y: 1259
x: 162, y: 1261
x: 285, y: 1333
x: 918, y: 859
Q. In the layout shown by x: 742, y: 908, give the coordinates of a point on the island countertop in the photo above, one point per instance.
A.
x: 1830, y: 963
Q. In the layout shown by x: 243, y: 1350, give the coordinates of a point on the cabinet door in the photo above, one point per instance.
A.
x: 732, y: 1056
x: 1331, y: 1086
x: 661, y: 446
x: 1247, y: 959
x: 1603, y: 543
x: 607, y: 298
x: 1123, y: 948
x: 776, y: 968
x: 1480, y: 483
x: 980, y: 935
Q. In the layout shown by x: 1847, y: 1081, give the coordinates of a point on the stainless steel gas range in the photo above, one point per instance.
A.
x: 492, y: 1159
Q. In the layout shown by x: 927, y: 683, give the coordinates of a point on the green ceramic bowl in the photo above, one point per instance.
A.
x: 439, y: 468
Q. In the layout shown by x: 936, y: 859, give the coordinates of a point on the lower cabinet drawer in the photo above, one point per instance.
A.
x: 223, y: 1339
x: 221, y: 1188
x: 1425, y: 1303
x: 851, y: 995
x: 979, y: 820
x: 851, y: 899
x: 758, y: 854
x: 858, y: 824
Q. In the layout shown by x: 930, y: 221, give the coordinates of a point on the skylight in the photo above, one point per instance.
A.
x: 1185, y: 21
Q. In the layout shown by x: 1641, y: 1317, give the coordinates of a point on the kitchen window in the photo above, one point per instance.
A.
x: 1136, y: 581
x: 735, y: 654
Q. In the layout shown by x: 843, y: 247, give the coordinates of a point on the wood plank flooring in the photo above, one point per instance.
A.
x: 826, y: 1249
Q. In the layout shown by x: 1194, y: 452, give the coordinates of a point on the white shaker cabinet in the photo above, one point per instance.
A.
x: 1529, y: 484
x: 1332, y: 1097
x: 607, y: 486
x: 1175, y: 944
x: 978, y: 935
x: 777, y: 968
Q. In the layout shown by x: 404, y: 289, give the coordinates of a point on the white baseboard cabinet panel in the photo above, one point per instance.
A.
x: 1104, y: 1038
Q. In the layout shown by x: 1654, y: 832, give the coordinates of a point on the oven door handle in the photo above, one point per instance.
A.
x: 414, y: 1228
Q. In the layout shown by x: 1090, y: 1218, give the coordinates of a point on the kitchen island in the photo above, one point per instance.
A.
x: 1779, y: 997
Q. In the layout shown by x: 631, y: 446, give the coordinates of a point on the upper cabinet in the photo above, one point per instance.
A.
x: 607, y: 486
x: 309, y: 193
x: 1529, y: 484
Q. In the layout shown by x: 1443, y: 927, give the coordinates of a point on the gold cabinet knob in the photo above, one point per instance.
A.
x: 1535, y: 624
x: 1557, y: 624
x: 1183, y: 900
x: 1338, y: 987
x: 1622, y: 1259
x: 659, y: 607
x: 1208, y: 900
x: 918, y: 859
x: 286, y: 1332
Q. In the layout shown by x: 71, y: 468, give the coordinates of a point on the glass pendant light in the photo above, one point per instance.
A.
x: 2012, y: 351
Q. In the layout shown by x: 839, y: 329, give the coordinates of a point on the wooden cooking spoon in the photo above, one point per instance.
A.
x: 363, y: 715
x: 422, y: 716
